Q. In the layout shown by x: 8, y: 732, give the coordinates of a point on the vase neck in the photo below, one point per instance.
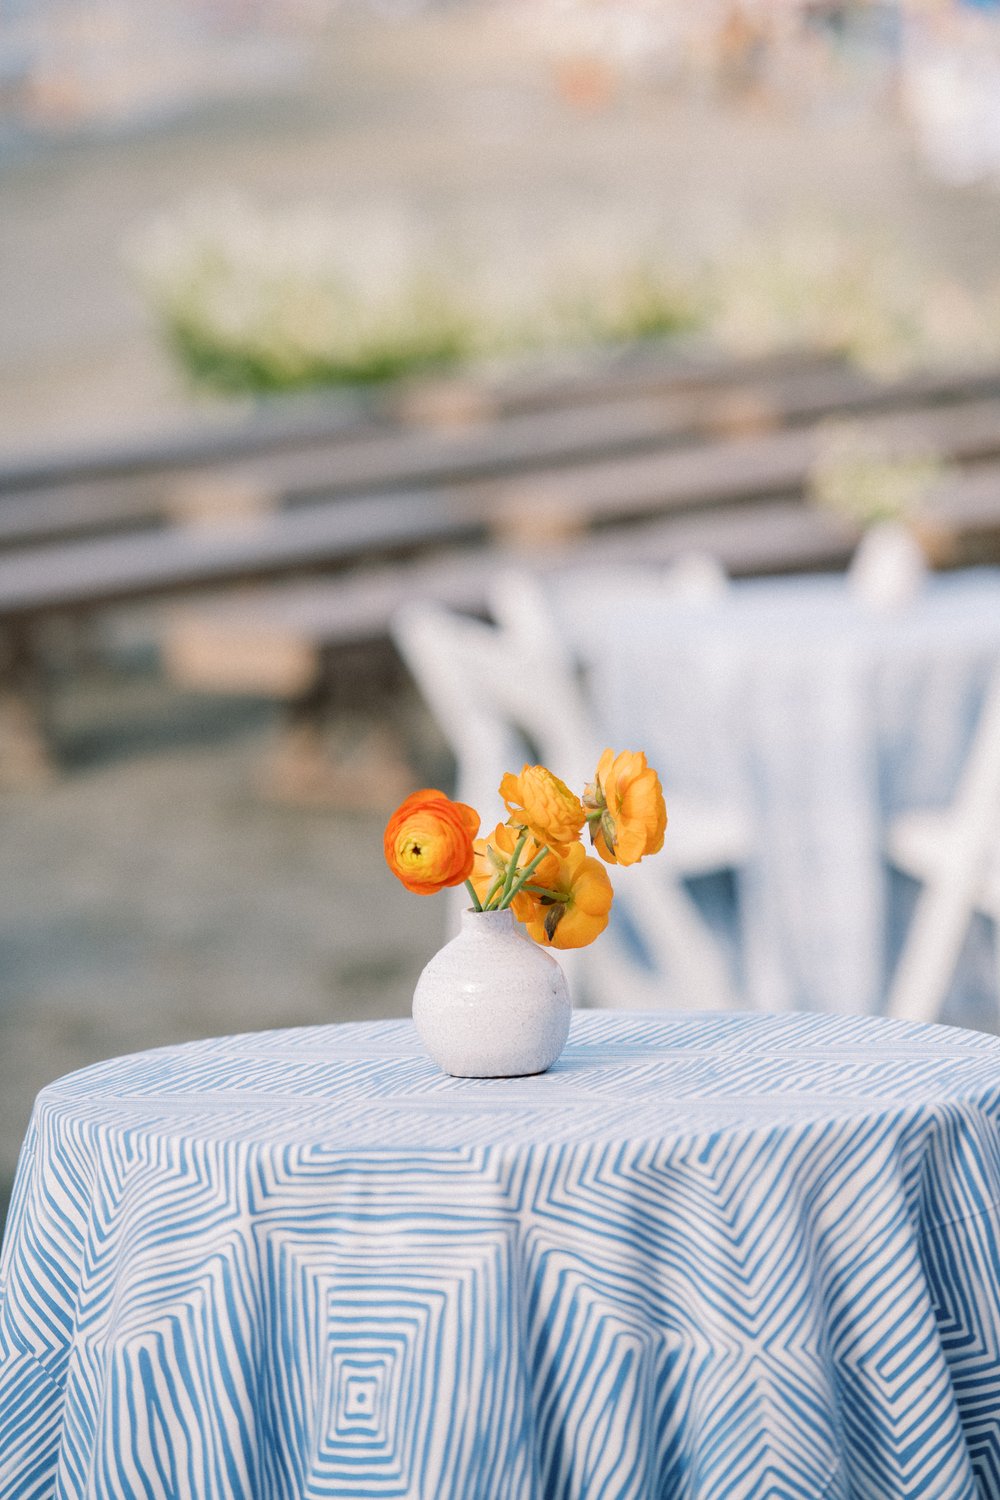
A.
x: 487, y: 923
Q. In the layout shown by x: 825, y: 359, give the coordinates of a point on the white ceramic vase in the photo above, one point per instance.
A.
x: 491, y: 1003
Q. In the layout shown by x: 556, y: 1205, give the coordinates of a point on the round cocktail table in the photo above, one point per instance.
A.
x: 727, y: 1256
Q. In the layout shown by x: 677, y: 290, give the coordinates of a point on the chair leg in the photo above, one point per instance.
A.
x: 368, y: 769
x: 930, y: 952
x: 683, y: 946
x: 26, y: 756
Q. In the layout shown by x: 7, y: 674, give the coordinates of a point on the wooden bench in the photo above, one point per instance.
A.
x: 528, y: 385
x: 285, y: 643
x: 741, y: 470
x: 274, y: 641
x: 371, y: 458
x: 101, y: 572
x: 510, y: 505
x: 300, y: 643
x: 74, y: 580
x: 77, y: 579
x: 579, y: 438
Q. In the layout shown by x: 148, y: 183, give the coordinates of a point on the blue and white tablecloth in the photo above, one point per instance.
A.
x: 731, y: 1257
x: 819, y: 716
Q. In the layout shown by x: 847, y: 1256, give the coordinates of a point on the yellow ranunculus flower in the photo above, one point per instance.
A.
x: 539, y: 801
x: 582, y: 902
x: 492, y: 858
x: 626, y: 792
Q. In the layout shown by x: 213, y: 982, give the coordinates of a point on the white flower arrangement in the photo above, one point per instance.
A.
x: 862, y: 479
x: 251, y: 300
x: 851, y: 296
x: 263, y: 301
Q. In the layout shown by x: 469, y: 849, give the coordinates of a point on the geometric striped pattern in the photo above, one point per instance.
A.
x: 713, y: 1257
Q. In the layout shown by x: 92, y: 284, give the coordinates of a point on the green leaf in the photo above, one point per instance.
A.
x: 608, y: 830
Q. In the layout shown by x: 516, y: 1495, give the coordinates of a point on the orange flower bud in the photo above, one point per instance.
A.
x: 626, y: 810
x: 428, y: 842
x: 580, y: 906
x: 539, y: 801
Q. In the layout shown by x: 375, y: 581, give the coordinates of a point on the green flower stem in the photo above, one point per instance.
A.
x: 472, y: 892
x: 492, y: 891
x: 593, y: 816
x: 511, y: 872
x: 526, y: 874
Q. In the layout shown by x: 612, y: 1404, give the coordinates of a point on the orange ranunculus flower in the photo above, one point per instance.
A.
x: 626, y: 792
x: 582, y: 901
x: 492, y: 860
x: 428, y: 842
x: 539, y: 801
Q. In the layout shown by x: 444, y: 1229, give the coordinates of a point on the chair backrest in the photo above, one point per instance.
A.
x: 978, y: 800
x: 957, y: 866
x: 506, y: 692
x: 463, y: 673
x: 548, y: 698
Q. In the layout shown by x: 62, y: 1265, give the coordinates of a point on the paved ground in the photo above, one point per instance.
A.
x: 153, y: 895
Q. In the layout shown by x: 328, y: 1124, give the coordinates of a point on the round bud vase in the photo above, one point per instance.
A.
x: 491, y: 1003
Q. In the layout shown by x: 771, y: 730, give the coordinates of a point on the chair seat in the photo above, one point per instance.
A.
x: 921, y: 843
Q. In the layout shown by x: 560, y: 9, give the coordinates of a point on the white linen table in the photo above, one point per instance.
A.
x: 741, y: 1256
x: 820, y: 716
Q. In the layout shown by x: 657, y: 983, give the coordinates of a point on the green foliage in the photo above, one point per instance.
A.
x: 246, y: 366
x: 644, y: 302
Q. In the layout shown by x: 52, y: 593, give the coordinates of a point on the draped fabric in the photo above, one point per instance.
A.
x: 731, y: 1257
x: 820, y: 718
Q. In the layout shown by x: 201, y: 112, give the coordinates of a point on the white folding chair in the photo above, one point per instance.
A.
x: 955, y: 853
x: 508, y: 693
x: 704, y: 837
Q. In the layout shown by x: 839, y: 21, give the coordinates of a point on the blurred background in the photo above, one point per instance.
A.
x: 311, y: 310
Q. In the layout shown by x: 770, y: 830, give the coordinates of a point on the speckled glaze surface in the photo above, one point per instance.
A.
x: 491, y: 1003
